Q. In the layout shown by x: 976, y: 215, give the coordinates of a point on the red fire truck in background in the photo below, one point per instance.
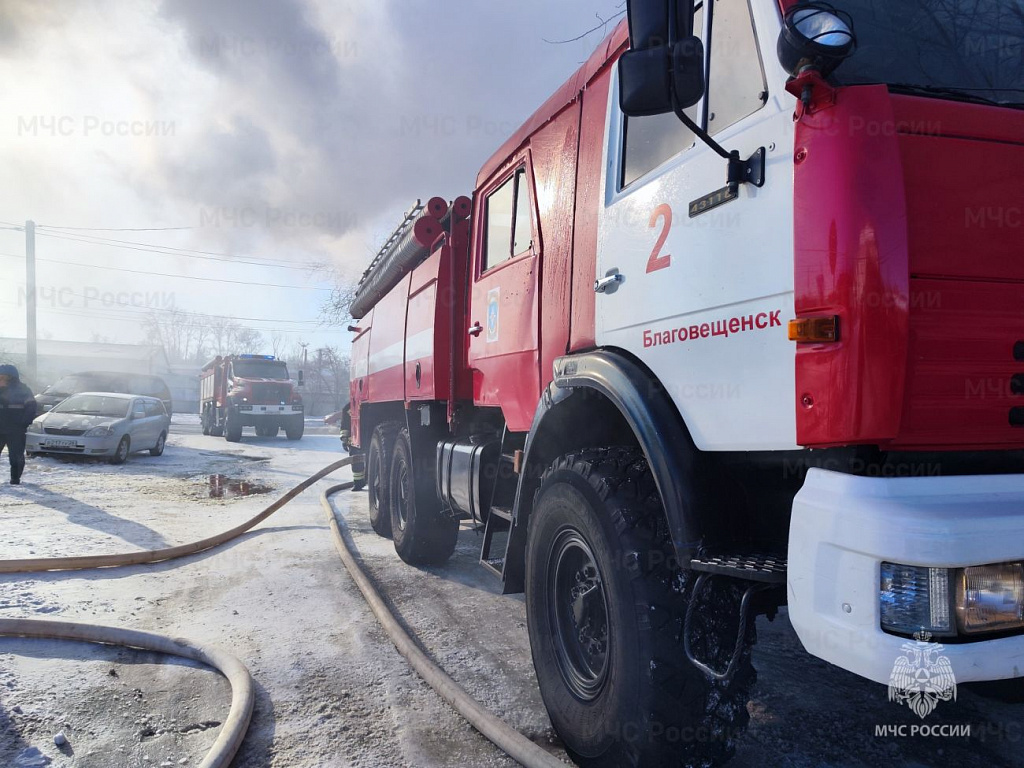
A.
x: 734, y: 321
x: 241, y: 391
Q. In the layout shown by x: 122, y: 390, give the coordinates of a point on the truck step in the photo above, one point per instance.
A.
x: 766, y: 568
x: 503, y: 512
x: 495, y: 565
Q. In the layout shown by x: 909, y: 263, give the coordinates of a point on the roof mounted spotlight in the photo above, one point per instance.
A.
x: 815, y: 36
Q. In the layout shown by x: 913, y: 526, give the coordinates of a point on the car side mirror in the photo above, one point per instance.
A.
x: 653, y: 81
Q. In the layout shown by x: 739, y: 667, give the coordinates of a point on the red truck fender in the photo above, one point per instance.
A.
x: 631, y: 395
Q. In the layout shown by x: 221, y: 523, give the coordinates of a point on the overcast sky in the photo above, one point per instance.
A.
x: 291, y: 131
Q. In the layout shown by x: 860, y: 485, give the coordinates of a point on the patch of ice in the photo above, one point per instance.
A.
x: 31, y: 758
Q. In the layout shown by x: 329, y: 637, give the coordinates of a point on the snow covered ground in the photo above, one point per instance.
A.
x: 331, y: 689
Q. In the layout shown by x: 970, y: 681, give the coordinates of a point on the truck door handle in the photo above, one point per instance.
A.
x: 609, y: 283
x: 476, y: 329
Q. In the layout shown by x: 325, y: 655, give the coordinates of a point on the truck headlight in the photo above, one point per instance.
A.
x: 990, y: 598
x: 915, y: 598
x: 99, y: 432
x: 982, y: 599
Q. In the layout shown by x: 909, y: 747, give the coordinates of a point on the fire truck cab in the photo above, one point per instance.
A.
x: 734, y: 321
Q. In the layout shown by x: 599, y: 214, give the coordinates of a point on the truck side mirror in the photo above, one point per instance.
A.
x: 649, y: 78
x: 301, y: 381
x: 664, y: 68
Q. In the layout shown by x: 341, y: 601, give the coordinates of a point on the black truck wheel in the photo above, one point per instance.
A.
x: 232, y: 428
x: 378, y: 461
x: 422, y: 532
x: 605, y: 603
x: 294, y: 428
x: 204, y: 420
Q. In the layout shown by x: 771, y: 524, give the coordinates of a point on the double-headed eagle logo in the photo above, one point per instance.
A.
x: 922, y: 678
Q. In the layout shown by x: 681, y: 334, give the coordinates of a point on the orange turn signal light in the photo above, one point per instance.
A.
x: 816, y: 330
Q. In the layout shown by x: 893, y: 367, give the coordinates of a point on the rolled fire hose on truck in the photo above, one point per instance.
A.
x: 236, y: 724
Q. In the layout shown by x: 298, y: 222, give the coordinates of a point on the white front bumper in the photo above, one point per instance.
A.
x: 845, y: 526
x: 271, y: 410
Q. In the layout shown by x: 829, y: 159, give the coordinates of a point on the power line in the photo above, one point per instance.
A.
x: 180, y: 277
x: 171, y: 251
x: 117, y: 229
x: 233, y: 257
x: 207, y: 315
x: 106, y: 314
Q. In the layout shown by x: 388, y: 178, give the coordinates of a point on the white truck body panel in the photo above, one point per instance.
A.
x: 734, y: 392
x: 844, y: 526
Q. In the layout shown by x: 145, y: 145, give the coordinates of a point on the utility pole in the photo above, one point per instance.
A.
x: 30, y: 301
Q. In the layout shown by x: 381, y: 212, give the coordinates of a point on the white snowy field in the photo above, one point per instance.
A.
x: 331, y: 689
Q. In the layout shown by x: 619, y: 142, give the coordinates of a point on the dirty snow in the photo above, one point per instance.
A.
x: 331, y: 689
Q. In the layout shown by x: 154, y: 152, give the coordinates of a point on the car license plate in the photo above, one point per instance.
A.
x: 60, y: 443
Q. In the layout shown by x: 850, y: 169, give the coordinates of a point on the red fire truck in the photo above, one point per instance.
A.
x: 734, y: 321
x: 241, y: 391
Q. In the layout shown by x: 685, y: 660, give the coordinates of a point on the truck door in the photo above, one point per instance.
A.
x: 503, y: 311
x: 697, y: 285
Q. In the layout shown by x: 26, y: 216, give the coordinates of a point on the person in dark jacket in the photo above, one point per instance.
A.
x: 17, y: 409
x: 344, y: 419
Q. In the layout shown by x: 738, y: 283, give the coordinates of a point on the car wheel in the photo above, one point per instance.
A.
x: 158, y: 449
x: 123, y: 449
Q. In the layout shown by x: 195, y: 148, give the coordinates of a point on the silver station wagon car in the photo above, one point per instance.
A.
x: 105, y: 424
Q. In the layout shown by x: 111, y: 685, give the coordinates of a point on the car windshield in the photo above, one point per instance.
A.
x: 260, y: 369
x: 971, y: 49
x: 95, y: 405
x: 82, y: 382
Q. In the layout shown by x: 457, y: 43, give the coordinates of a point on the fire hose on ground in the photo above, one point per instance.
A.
x: 233, y: 731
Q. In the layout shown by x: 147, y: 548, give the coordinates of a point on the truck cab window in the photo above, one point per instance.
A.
x: 522, y: 234
x: 499, y: 225
x: 650, y: 141
x: 509, y: 229
x: 737, y: 83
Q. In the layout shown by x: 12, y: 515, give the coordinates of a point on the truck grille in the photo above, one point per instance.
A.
x: 271, y: 393
x: 64, y: 431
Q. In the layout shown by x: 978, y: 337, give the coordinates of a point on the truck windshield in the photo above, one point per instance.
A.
x: 259, y: 369
x: 967, y: 49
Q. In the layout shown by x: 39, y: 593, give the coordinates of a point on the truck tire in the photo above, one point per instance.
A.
x: 378, y: 461
x: 232, y: 429
x: 294, y: 428
x: 605, y: 603
x: 271, y: 430
x: 260, y: 431
x: 422, y: 532
x: 205, y: 421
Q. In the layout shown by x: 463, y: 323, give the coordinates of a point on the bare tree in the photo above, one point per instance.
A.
x: 188, y: 337
x: 334, y: 309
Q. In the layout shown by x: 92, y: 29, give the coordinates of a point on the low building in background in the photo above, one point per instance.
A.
x: 55, y: 359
